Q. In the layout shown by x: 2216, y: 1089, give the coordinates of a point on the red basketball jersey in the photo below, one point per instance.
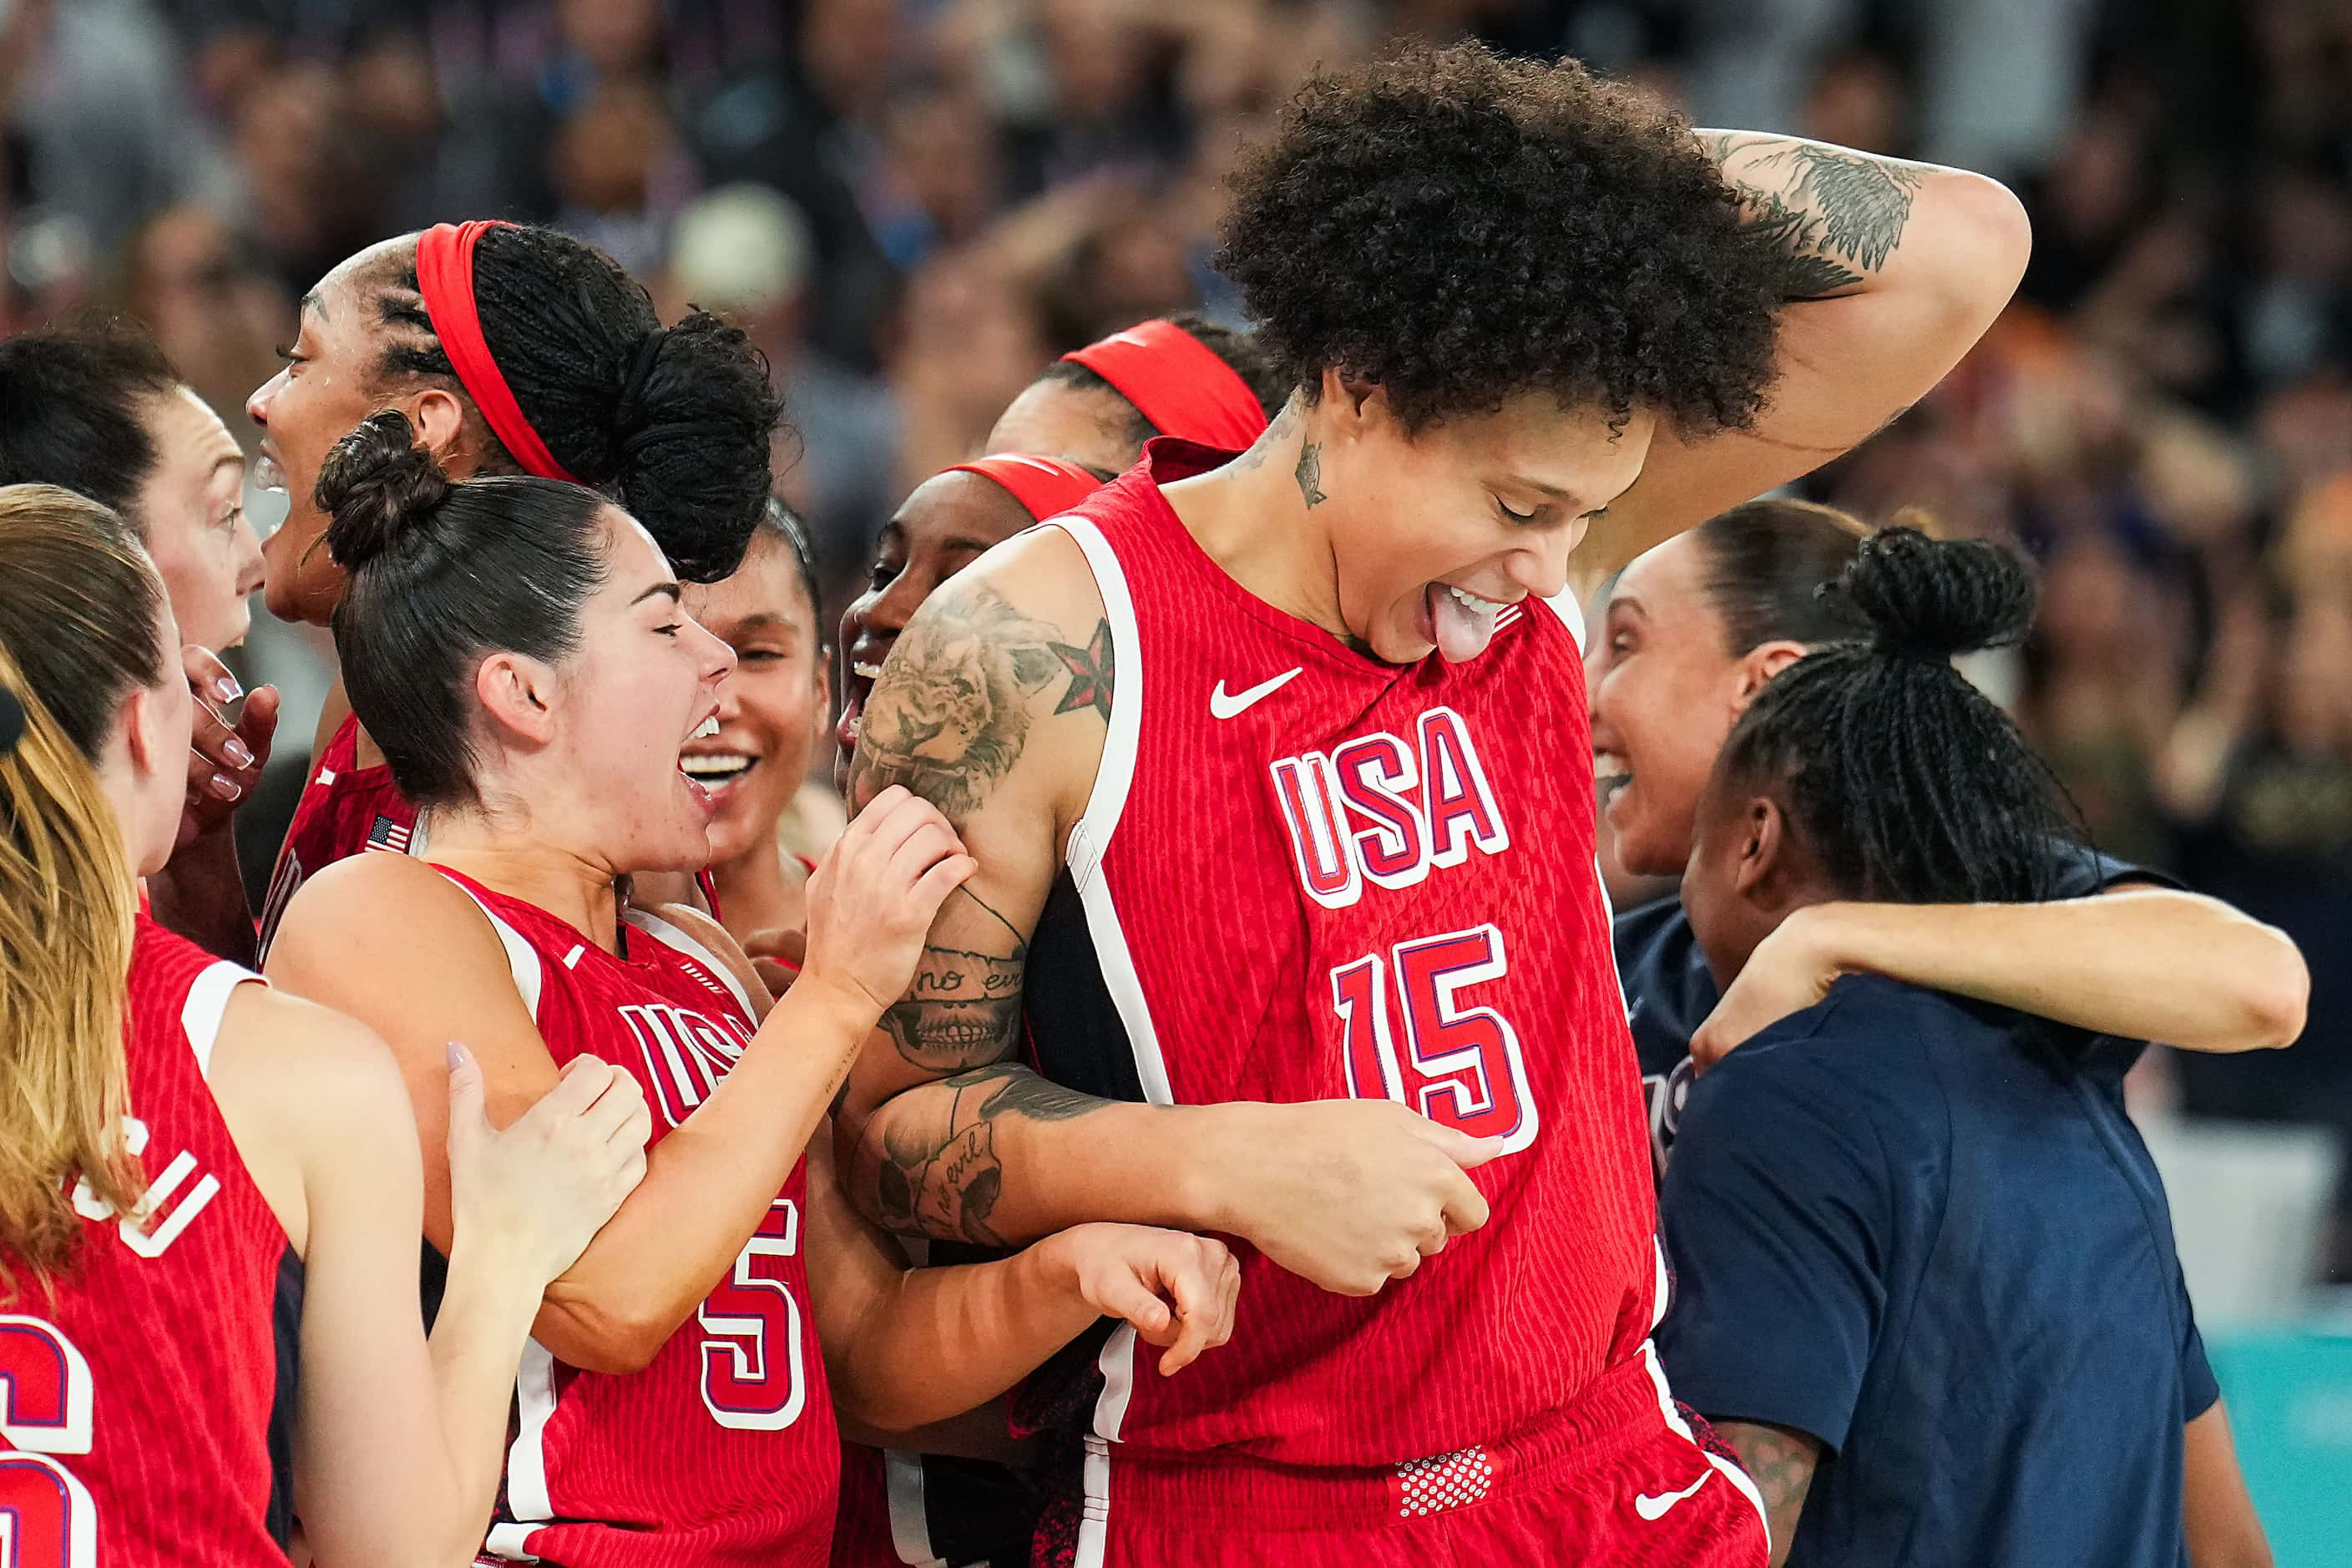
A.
x: 344, y: 808
x: 135, y: 1407
x: 724, y: 1450
x: 1304, y: 874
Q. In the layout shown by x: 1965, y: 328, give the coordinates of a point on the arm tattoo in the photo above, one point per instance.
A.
x: 944, y: 1181
x: 950, y: 714
x: 1835, y: 215
x: 1309, y: 474
x: 963, y: 1007
x: 1781, y: 1463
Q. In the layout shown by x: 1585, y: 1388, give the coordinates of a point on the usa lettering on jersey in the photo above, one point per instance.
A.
x: 147, y: 1229
x: 686, y: 1053
x: 1383, y: 811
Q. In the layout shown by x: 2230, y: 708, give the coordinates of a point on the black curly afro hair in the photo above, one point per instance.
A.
x: 1457, y: 228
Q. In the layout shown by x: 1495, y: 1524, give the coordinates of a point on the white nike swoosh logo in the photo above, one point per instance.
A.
x: 1654, y: 1508
x: 1230, y: 707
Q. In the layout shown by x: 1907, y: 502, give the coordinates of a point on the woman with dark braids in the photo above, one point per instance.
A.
x: 1925, y: 1281
x: 511, y: 350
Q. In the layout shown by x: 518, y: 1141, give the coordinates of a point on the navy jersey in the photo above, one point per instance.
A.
x: 1915, y: 1229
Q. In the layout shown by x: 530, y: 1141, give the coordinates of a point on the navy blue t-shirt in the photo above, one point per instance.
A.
x: 1915, y: 1228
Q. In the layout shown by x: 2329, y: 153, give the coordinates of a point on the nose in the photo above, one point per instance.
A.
x: 256, y: 407
x: 1540, y: 565
x: 717, y: 657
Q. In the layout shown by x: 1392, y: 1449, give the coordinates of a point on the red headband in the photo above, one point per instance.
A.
x: 444, y: 276
x: 1046, y: 485
x: 1177, y: 383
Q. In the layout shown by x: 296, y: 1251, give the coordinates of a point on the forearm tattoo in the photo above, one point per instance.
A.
x: 1781, y: 1463
x: 940, y: 1176
x: 951, y: 713
x: 964, y: 1009
x: 1836, y: 215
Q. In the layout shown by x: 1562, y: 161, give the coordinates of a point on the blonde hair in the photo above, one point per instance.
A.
x: 79, y: 610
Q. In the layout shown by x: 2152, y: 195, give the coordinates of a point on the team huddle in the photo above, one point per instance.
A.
x: 1203, y: 1106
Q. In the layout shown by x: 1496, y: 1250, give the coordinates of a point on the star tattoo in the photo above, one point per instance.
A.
x: 1091, y: 673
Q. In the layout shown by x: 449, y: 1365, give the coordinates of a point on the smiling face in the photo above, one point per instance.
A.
x: 771, y: 710
x: 1433, y: 535
x: 192, y: 511
x: 330, y: 381
x: 950, y: 521
x: 641, y: 689
x: 1664, y: 694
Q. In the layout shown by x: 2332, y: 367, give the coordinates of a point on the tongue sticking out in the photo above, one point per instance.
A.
x: 1463, y: 633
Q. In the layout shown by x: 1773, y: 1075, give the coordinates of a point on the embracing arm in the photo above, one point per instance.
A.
x: 1893, y: 271
x: 2138, y: 962
x: 2217, y: 1513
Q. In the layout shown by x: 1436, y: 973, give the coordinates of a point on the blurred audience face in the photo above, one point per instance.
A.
x: 1664, y: 692
x: 192, y: 508
x: 950, y: 521
x: 771, y: 710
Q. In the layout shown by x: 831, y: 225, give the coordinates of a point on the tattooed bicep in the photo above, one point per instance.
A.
x: 962, y: 691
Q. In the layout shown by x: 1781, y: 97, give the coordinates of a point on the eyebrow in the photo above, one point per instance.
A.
x: 311, y: 301
x: 227, y: 461
x: 764, y: 620
x: 974, y: 545
x: 654, y: 592
x: 1552, y: 490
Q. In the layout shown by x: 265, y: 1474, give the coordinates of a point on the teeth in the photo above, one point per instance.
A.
x: 865, y: 671
x: 1474, y: 604
x: 705, y: 730
x: 267, y: 475
x: 726, y: 766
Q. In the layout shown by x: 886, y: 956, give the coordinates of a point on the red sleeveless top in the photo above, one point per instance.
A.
x: 136, y: 1409
x: 723, y: 1451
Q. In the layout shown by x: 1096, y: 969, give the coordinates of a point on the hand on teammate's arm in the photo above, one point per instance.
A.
x: 907, y: 1347
x: 200, y: 893
x: 2139, y: 964
x: 1892, y: 271
x: 1781, y: 1463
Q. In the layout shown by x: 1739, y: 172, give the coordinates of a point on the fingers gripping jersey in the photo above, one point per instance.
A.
x: 722, y: 1451
x: 1304, y: 874
x: 160, y: 1332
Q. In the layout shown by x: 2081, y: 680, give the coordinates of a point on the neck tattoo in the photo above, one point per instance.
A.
x: 1309, y: 474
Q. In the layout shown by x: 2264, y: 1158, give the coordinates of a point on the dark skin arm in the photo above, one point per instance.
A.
x: 1781, y: 1463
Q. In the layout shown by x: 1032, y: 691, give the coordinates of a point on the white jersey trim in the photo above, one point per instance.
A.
x: 1571, y: 613
x: 522, y: 958
x: 911, y: 1522
x: 207, y: 999
x: 1084, y: 855
x: 527, y: 1495
x: 654, y: 926
x: 1681, y: 1428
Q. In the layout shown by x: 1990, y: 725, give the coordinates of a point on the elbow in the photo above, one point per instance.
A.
x: 2277, y: 995
x: 613, y: 1338
x: 1984, y: 239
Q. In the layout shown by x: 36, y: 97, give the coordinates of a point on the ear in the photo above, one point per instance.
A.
x: 1762, y: 662
x: 517, y: 694
x: 141, y: 725
x: 440, y: 421
x: 1348, y: 401
x: 1764, y: 842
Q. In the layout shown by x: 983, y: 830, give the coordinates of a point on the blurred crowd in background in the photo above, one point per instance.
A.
x: 913, y: 205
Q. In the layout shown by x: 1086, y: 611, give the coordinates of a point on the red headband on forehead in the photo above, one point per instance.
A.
x: 444, y: 276
x: 1046, y: 485
x: 1175, y: 381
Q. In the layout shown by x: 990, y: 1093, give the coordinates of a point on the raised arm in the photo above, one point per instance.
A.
x: 435, y: 972
x: 1893, y: 269
x: 2139, y: 962
x: 994, y: 707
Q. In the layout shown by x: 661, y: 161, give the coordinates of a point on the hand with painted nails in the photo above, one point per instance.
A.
x: 535, y: 1193
x: 227, y: 749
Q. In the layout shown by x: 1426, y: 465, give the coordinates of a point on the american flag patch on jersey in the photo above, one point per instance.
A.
x: 388, y: 834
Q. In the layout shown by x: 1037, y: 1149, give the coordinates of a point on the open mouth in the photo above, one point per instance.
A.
x: 1459, y: 622
x: 854, y: 691
x: 718, y: 770
x: 1610, y: 776
x: 267, y: 475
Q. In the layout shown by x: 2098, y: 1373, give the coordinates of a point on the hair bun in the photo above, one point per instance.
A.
x: 376, y: 486
x: 1935, y: 598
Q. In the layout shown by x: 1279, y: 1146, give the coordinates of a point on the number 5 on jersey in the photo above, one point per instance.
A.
x: 1455, y: 1063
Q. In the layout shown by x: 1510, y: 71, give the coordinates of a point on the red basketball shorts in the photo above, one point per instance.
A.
x: 1620, y: 1481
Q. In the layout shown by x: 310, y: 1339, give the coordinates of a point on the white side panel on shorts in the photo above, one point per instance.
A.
x: 910, y: 1523
x: 1731, y: 1472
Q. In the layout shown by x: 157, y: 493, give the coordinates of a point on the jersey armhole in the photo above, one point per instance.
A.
x: 208, y: 1001
x: 522, y: 958
x: 1090, y: 839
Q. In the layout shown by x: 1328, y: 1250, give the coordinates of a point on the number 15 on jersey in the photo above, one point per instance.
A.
x: 1454, y: 1061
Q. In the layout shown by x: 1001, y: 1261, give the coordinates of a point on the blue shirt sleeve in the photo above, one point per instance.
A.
x: 1777, y: 1215
x: 2200, y: 1390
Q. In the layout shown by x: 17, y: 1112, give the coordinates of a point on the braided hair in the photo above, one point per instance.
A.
x: 1905, y: 782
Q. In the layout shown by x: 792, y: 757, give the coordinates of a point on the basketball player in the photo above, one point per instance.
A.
x: 165, y: 1141
x: 511, y: 350
x: 1924, y: 1272
x: 1278, y: 773
x: 99, y: 411
x: 1694, y: 630
x: 675, y: 1404
x: 1188, y: 377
